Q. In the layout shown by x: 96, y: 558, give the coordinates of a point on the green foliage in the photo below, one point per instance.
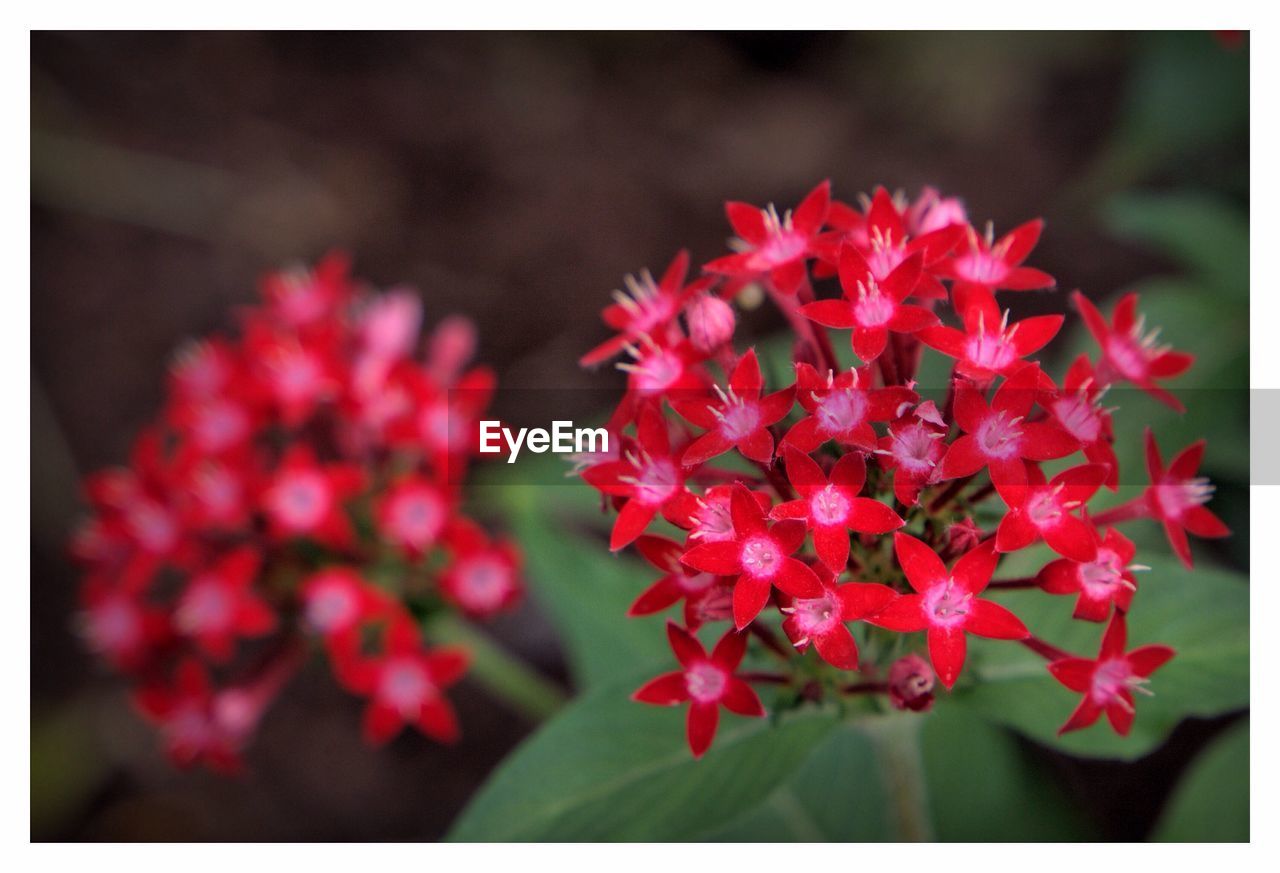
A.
x: 610, y: 769
x: 1211, y: 803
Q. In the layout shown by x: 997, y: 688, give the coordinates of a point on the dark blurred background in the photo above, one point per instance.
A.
x: 513, y: 178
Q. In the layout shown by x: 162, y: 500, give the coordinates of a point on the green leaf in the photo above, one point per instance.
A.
x: 1211, y: 802
x: 986, y: 786
x: 586, y: 590
x: 834, y: 796
x: 607, y: 768
x: 1204, y: 233
x: 1203, y: 613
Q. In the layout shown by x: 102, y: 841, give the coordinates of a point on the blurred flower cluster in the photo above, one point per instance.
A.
x: 300, y: 489
x: 843, y: 497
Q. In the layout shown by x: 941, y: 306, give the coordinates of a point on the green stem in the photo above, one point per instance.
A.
x: 895, y: 737
x: 513, y: 682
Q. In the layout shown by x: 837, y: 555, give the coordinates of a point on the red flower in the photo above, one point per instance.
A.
x: 406, y: 684
x: 842, y: 408
x: 189, y: 720
x: 413, y: 513
x: 648, y: 477
x: 998, y: 266
x: 1177, y: 497
x: 821, y: 620
x: 913, y: 450
x: 998, y: 436
x: 1128, y: 353
x: 646, y: 308
x: 758, y: 556
x: 1105, y: 580
x: 301, y: 297
x: 657, y: 370
x: 884, y: 238
x: 1043, y: 510
x: 872, y: 308
x: 218, y: 605
x: 989, y: 345
x: 705, y: 683
x: 336, y: 600
x: 708, y: 518
x: 117, y: 625
x: 946, y: 605
x: 305, y: 498
x: 1108, y: 682
x: 773, y: 246
x: 677, y: 583
x: 1077, y: 410
x: 831, y: 507
x: 483, y: 577
x: 739, y: 417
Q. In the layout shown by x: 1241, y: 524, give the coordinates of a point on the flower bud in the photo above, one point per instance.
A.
x: 711, y: 322
x: 911, y: 682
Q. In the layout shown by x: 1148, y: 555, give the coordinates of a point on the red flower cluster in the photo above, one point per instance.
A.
x: 786, y: 493
x: 301, y: 484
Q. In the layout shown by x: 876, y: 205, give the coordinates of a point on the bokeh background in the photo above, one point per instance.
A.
x: 515, y: 178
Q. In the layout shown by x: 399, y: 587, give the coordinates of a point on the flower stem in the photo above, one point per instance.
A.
x: 513, y: 682
x: 1135, y: 508
x: 1008, y: 584
x: 1045, y: 650
x: 895, y: 738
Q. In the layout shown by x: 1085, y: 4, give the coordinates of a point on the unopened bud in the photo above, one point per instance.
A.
x: 911, y: 682
x: 711, y: 322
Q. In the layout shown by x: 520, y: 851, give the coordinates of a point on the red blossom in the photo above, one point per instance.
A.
x: 737, y: 417
x: 842, y: 407
x: 218, y: 605
x: 775, y: 247
x: 946, y: 604
x: 822, y: 620
x: 831, y: 507
x: 994, y: 266
x: 305, y: 498
x: 999, y: 437
x: 1107, y: 579
x: 989, y: 345
x: 677, y: 583
x: 705, y: 682
x: 758, y: 557
x: 1177, y: 496
x: 1108, y: 681
x: 1040, y: 510
x: 646, y: 308
x: 1131, y: 353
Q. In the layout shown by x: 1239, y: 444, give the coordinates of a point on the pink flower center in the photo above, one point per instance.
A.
x: 1127, y: 356
x: 884, y: 258
x: 219, y: 425
x: 483, y: 583
x: 301, y: 500
x: 990, y: 351
x: 206, y: 607
x: 980, y: 267
x: 114, y: 625
x: 296, y: 375
x: 739, y: 420
x: 841, y: 411
x: 332, y: 607
x: 656, y: 482
x: 706, y: 682
x: 947, y: 604
x: 1000, y: 437
x: 1078, y: 417
x: 1044, y: 509
x: 417, y: 518
x: 1100, y: 577
x: 829, y: 506
x: 916, y: 448
x: 656, y: 371
x: 782, y: 247
x: 405, y: 686
x: 1109, y: 679
x: 712, y: 522
x: 816, y: 616
x: 872, y: 309
x: 1176, y: 497
x: 153, y: 526
x: 761, y: 557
